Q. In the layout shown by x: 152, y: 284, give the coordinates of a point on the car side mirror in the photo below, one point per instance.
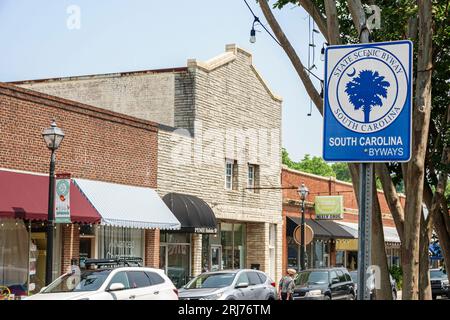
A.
x: 116, y: 286
x: 242, y: 285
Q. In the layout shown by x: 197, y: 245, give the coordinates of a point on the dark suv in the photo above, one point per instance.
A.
x: 439, y: 283
x: 324, y: 284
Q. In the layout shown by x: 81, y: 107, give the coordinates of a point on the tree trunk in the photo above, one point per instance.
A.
x: 416, y: 167
x: 379, y: 249
x: 424, y: 274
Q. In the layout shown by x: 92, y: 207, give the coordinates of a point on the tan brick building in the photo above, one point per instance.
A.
x: 219, y: 140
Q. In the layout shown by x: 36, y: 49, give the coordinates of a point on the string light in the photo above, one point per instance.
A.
x: 252, y: 32
x: 253, y: 36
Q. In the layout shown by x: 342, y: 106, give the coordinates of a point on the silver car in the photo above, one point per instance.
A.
x: 243, y: 284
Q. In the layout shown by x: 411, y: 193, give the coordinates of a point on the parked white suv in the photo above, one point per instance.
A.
x: 121, y: 283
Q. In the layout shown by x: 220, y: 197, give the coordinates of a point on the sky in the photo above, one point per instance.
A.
x: 131, y: 35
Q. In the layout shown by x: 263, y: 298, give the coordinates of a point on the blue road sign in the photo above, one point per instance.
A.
x: 367, y: 102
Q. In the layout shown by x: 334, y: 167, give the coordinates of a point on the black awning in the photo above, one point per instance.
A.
x: 323, y: 228
x: 194, y: 214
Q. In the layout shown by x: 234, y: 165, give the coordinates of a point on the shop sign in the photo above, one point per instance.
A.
x: 62, y: 198
x: 329, y: 207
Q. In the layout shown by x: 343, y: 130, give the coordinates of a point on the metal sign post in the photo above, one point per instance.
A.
x: 365, y: 213
x: 365, y: 228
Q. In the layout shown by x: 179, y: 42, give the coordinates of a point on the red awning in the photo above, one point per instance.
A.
x: 25, y: 196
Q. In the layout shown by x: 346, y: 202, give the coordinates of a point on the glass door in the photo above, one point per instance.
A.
x: 216, y: 258
x: 178, y: 266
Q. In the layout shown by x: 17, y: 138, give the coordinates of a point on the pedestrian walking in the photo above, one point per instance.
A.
x: 286, y: 285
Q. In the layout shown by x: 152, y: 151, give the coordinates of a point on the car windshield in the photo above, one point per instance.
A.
x: 211, y: 280
x: 437, y: 274
x: 354, y: 276
x: 87, y: 281
x: 312, y: 277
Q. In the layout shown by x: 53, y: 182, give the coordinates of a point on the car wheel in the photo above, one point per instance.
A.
x: 351, y: 296
x: 327, y: 297
x: 433, y: 297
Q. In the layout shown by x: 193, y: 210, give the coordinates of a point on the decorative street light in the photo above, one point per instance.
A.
x: 52, y: 137
x: 303, y: 192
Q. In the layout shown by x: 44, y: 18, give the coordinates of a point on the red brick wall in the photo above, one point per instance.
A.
x: 70, y: 245
x: 321, y: 186
x: 99, y: 144
x: 152, y: 238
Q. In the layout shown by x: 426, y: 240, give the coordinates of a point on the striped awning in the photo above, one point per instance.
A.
x: 128, y: 206
x: 390, y: 233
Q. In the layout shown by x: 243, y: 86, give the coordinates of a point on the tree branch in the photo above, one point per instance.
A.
x: 296, y: 62
x: 358, y: 15
x: 332, y: 22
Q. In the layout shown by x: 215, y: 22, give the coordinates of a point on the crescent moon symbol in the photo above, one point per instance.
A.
x: 352, y: 73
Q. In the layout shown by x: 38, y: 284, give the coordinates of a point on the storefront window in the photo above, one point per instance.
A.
x: 226, y: 235
x: 14, y: 242
x: 340, y: 258
x: 23, y: 256
x: 211, y: 252
x: 233, y: 236
x: 114, y: 242
x: 352, y: 260
x: 239, y: 245
x: 293, y: 253
x: 175, y: 257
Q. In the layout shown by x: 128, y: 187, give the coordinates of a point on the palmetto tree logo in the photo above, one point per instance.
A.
x: 366, y: 90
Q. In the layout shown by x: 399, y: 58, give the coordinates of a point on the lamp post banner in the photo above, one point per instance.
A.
x: 367, y: 102
x: 62, y: 198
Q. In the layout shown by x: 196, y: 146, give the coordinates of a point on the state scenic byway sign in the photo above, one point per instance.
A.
x: 367, y: 103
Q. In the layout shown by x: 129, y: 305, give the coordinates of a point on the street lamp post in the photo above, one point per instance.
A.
x: 52, y: 137
x: 303, y: 192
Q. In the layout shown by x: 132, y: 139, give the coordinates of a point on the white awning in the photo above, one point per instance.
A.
x: 390, y: 233
x: 128, y: 206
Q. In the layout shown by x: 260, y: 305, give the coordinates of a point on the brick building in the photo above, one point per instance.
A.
x: 219, y: 141
x: 102, y: 148
x: 335, y: 242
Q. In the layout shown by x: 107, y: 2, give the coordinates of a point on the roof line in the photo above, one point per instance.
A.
x: 103, y: 75
x: 16, y: 92
x: 230, y: 54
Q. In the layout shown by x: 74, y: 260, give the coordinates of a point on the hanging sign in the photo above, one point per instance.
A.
x: 329, y: 207
x: 62, y: 198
